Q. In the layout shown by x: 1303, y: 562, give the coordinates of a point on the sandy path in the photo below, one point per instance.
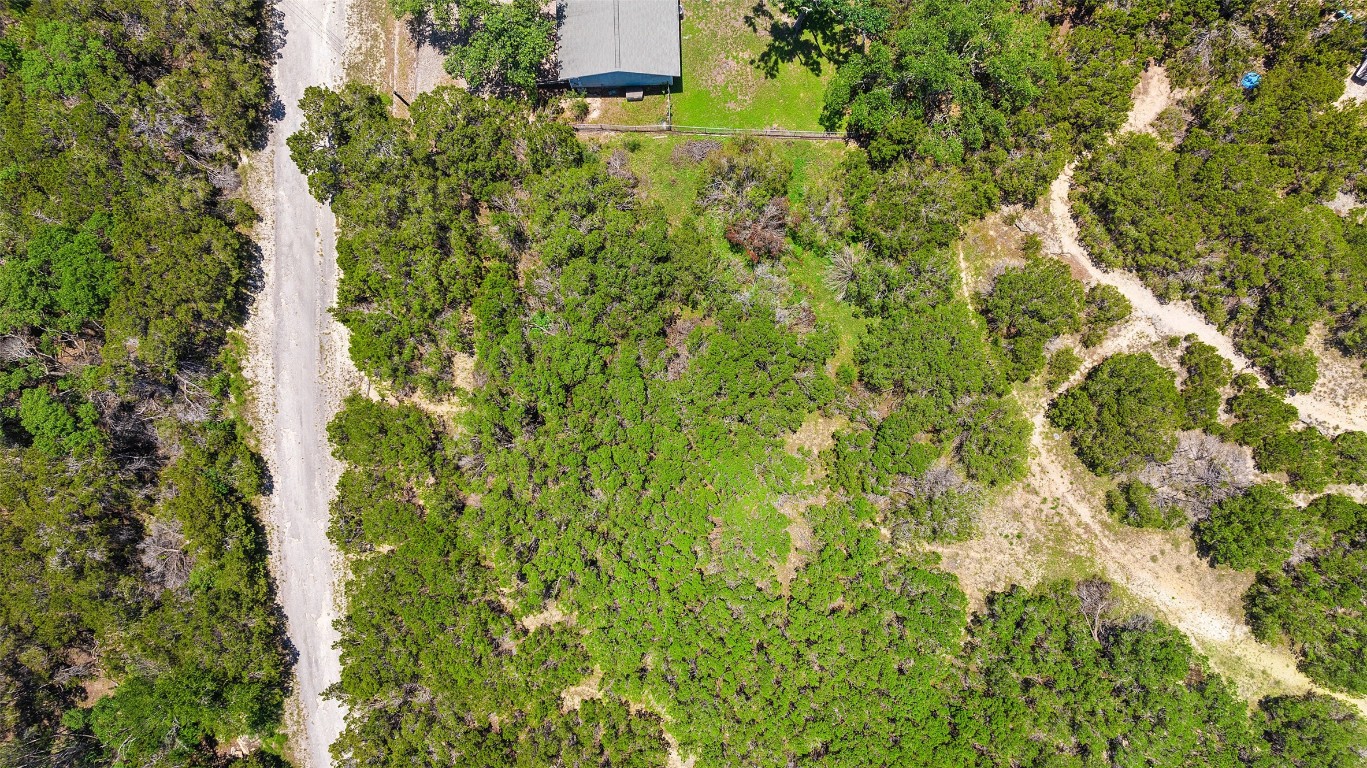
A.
x: 1151, y: 96
x: 300, y: 369
x: 1353, y: 89
x: 1180, y: 318
x: 1054, y: 522
x: 1317, y: 408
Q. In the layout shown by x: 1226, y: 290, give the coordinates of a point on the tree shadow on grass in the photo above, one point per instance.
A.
x: 806, y: 41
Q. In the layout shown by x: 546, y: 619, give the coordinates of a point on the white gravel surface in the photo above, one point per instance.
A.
x: 300, y: 371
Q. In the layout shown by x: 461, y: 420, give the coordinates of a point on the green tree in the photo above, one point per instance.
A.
x: 1351, y: 450
x: 1133, y: 503
x: 1255, y: 530
x: 1207, y: 374
x: 1307, y: 602
x: 65, y: 60
x: 1061, y: 367
x: 1028, y: 307
x: 507, y: 46
x: 1313, y: 729
x: 1126, y: 412
x: 54, y: 429
x: 936, y: 353
x: 1106, y: 307
x: 961, y: 69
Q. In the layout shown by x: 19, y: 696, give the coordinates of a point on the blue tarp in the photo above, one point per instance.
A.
x: 1251, y: 80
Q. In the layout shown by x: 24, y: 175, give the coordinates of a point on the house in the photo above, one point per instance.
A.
x: 619, y: 43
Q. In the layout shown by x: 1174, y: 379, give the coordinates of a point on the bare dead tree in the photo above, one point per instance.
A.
x: 763, y: 234
x: 1202, y: 472
x: 619, y: 167
x: 1095, y: 596
x: 163, y: 556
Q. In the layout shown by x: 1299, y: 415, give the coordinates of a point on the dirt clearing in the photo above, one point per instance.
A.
x: 1054, y: 525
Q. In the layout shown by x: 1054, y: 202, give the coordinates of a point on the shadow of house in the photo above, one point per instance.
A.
x: 612, y: 44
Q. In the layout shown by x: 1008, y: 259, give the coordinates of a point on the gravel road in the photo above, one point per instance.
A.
x: 300, y: 371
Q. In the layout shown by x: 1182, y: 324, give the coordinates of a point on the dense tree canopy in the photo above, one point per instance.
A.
x: 944, y: 78
x: 137, y: 625
x: 683, y: 500
x: 1316, y: 602
x: 1126, y: 412
x: 1027, y: 308
x: 614, y: 539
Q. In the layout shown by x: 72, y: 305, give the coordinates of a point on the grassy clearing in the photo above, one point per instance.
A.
x: 808, y: 272
x: 615, y: 110
x: 674, y: 183
x: 742, y: 69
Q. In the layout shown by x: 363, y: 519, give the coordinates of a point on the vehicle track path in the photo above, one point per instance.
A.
x: 1054, y: 522
x: 300, y: 371
x: 1322, y: 407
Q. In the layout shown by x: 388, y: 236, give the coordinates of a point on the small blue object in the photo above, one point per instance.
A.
x: 1251, y: 80
x: 1343, y: 14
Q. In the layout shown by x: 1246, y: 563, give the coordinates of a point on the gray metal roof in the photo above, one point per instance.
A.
x: 598, y: 36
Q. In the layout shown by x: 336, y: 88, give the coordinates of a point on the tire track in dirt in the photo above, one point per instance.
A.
x: 300, y: 370
x: 1054, y: 524
x: 1319, y: 407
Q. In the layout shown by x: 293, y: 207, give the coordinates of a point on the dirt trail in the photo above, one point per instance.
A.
x: 1318, y: 407
x: 1151, y: 96
x: 1353, y: 89
x: 300, y: 371
x: 1053, y: 524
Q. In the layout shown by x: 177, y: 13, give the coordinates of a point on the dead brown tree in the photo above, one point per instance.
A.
x: 1095, y: 596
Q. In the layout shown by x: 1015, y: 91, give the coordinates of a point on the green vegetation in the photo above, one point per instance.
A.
x: 457, y: 151
x: 1316, y: 602
x: 724, y: 392
x: 1057, y: 678
x: 1231, y: 216
x: 1125, y: 413
x: 747, y: 65
x: 1029, y: 307
x: 1252, y: 531
x: 610, y: 542
x: 1106, y: 308
x: 137, y: 624
x: 945, y: 104
x: 1264, y: 423
x: 1061, y: 367
x: 506, y: 46
x: 1207, y: 373
x: 1133, y: 503
x: 503, y: 47
x: 1313, y: 730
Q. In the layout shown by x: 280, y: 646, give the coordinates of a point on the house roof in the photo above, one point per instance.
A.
x: 600, y: 36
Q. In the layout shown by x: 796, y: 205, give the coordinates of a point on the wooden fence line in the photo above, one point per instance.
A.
x: 772, y: 133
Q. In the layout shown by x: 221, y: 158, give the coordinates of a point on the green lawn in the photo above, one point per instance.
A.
x: 741, y: 69
x: 736, y: 74
x: 808, y: 272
